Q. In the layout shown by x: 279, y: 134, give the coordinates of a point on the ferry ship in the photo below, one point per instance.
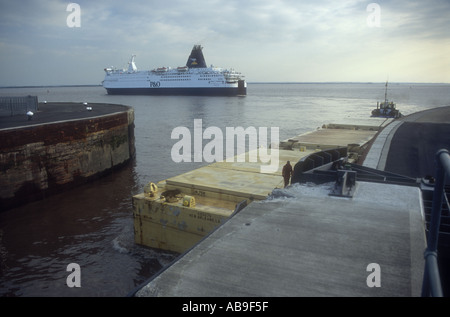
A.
x: 195, y: 78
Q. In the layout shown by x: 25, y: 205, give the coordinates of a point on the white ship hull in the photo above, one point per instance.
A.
x: 195, y: 82
x: 191, y: 79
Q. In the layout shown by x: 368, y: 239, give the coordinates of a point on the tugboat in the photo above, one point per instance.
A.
x: 386, y: 109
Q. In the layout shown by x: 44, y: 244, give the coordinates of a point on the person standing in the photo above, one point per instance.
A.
x: 287, y: 173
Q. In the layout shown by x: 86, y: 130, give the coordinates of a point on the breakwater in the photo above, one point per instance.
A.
x: 62, y: 150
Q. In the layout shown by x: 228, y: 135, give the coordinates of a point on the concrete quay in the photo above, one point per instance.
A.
x: 55, y: 112
x: 62, y: 146
x: 305, y: 242
x: 310, y: 244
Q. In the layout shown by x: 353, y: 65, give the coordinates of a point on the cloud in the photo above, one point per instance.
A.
x: 269, y: 40
x: 416, y: 19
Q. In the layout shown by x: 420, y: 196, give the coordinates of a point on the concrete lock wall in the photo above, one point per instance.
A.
x: 39, y: 160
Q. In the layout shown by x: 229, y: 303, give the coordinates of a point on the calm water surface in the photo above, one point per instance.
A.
x: 92, y: 225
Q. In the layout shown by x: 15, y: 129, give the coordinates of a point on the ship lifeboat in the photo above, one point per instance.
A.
x: 183, y: 69
x: 161, y: 69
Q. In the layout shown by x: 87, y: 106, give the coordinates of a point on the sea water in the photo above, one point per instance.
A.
x: 92, y: 225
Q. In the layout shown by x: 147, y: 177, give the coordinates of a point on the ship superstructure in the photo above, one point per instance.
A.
x: 195, y: 78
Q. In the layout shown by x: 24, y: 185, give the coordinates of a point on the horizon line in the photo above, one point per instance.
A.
x: 251, y: 82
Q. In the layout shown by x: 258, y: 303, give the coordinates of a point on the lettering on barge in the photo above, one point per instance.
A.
x: 205, y: 216
x: 154, y: 84
x: 199, y: 193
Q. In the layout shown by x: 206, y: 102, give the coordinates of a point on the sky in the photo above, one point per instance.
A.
x: 49, y: 42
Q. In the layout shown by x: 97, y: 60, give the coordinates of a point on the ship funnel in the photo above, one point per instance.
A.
x: 196, y: 59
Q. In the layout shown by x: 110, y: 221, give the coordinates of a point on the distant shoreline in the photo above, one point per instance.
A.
x: 50, y: 86
x: 252, y: 83
x: 343, y: 82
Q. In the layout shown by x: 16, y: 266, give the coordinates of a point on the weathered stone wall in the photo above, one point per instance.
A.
x: 43, y: 159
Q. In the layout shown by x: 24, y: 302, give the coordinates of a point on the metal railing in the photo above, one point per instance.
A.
x: 10, y: 106
x: 431, y: 280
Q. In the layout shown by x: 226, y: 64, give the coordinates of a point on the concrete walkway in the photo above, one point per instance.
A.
x: 414, y: 145
x: 310, y: 244
x: 378, y: 155
x: 54, y: 112
x: 376, y: 158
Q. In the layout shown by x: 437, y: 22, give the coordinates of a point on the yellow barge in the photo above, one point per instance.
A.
x: 175, y: 214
